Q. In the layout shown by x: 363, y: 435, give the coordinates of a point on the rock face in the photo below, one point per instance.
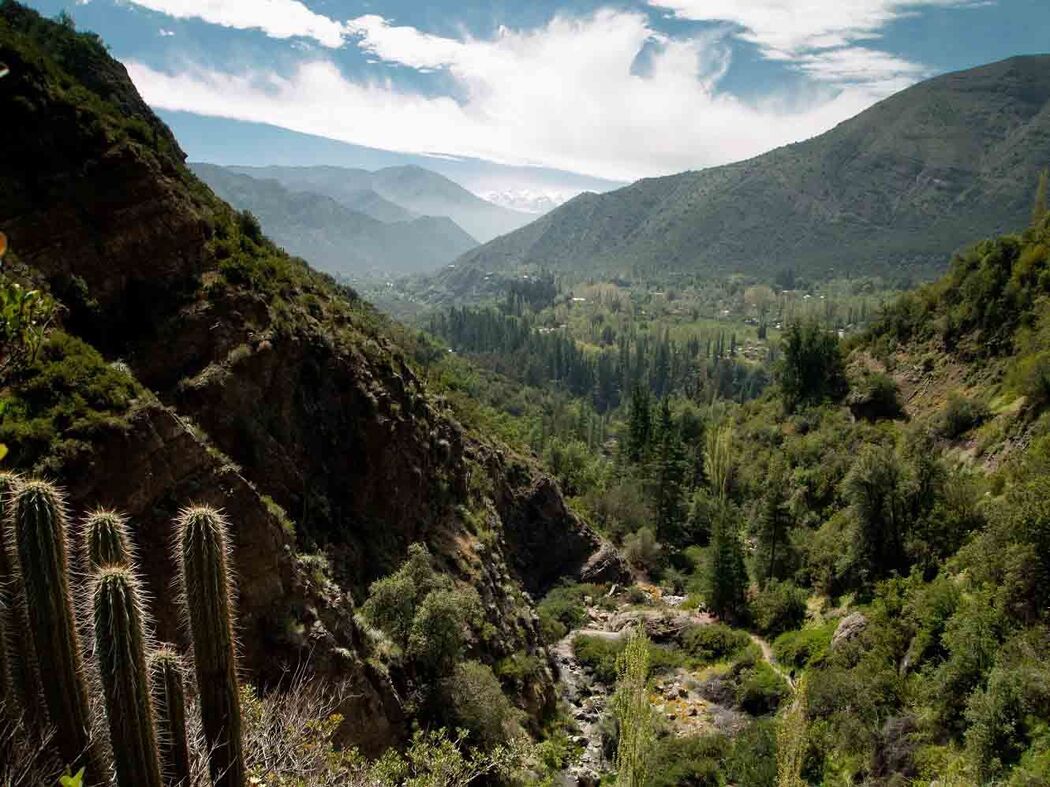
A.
x: 274, y: 393
x: 849, y: 628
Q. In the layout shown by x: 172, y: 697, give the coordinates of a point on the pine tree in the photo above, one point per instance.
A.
x: 639, y: 424
x: 727, y: 578
x: 771, y: 552
x: 668, y: 471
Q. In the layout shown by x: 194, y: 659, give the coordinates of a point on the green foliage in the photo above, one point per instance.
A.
x: 642, y: 550
x: 441, y: 626
x: 960, y: 415
x: 61, y: 396
x: 564, y: 608
x: 598, y: 654
x: 634, y: 715
x: 25, y: 316
x: 714, y: 642
x: 120, y: 651
x: 807, y: 647
x: 812, y: 370
x: 727, y: 577
x: 692, y: 760
x: 169, y: 702
x: 203, y: 553
x: 40, y: 533
x: 477, y: 704
x: 760, y: 689
x: 778, y: 607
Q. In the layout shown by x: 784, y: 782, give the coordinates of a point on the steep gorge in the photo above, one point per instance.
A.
x: 264, y: 388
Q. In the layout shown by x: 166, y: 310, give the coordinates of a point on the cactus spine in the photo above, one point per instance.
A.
x: 203, y: 555
x: 39, y: 519
x: 106, y: 541
x: 169, y: 695
x: 120, y: 649
x: 22, y: 682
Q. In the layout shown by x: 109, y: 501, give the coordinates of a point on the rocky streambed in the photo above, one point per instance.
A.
x: 689, y: 702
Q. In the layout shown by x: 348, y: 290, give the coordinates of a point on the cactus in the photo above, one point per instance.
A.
x: 120, y: 650
x: 169, y: 697
x: 106, y: 541
x: 203, y: 556
x: 39, y: 522
x: 23, y: 683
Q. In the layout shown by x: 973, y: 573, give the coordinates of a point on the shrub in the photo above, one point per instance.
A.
x: 441, y: 626
x: 779, y: 607
x: 641, y: 549
x: 960, y: 415
x: 804, y: 648
x: 760, y: 689
x: 598, y: 654
x: 693, y: 761
x: 713, y: 642
x: 563, y: 609
x: 477, y: 704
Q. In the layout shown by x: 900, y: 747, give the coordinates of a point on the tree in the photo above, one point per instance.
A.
x: 771, y: 549
x: 668, y: 472
x: 634, y: 714
x: 874, y: 489
x: 812, y: 370
x: 718, y: 459
x: 639, y: 424
x: 727, y: 576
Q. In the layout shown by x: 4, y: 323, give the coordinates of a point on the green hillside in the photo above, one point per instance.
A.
x: 894, y: 190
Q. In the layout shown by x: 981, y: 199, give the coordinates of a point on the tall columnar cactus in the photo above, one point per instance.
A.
x: 106, y: 541
x: 204, y: 555
x: 22, y: 682
x: 39, y: 521
x: 120, y: 651
x: 169, y: 702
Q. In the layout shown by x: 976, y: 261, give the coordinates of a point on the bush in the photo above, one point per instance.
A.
x: 779, y: 607
x: 441, y: 626
x: 693, y: 761
x: 563, y: 609
x: 713, y: 642
x: 960, y: 415
x: 641, y: 549
x: 598, y: 654
x: 805, y: 648
x: 477, y: 704
x: 760, y: 689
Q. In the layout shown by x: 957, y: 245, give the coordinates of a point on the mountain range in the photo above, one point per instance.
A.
x: 360, y: 232
x: 891, y: 191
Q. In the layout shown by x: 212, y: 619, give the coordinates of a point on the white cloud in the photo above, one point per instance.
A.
x: 787, y: 27
x: 823, y: 38
x: 564, y: 95
x: 276, y: 18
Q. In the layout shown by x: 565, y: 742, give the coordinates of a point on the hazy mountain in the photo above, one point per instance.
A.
x: 895, y: 189
x: 415, y: 190
x: 335, y: 238
x: 351, y: 187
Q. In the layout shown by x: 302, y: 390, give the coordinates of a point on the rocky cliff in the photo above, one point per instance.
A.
x: 249, y: 381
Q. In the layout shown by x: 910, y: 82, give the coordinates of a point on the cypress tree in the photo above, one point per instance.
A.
x: 727, y: 580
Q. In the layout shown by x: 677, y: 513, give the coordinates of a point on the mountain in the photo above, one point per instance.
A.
x: 190, y: 360
x: 350, y: 187
x: 892, y: 191
x: 334, y: 237
x: 415, y: 189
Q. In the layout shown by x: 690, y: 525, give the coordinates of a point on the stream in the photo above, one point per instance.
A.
x: 690, y: 702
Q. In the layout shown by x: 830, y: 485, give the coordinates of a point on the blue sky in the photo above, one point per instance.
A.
x: 617, y: 90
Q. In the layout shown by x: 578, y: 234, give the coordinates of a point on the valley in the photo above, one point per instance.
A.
x: 733, y: 478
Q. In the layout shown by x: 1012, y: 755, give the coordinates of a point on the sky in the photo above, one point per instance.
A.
x: 607, y: 89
